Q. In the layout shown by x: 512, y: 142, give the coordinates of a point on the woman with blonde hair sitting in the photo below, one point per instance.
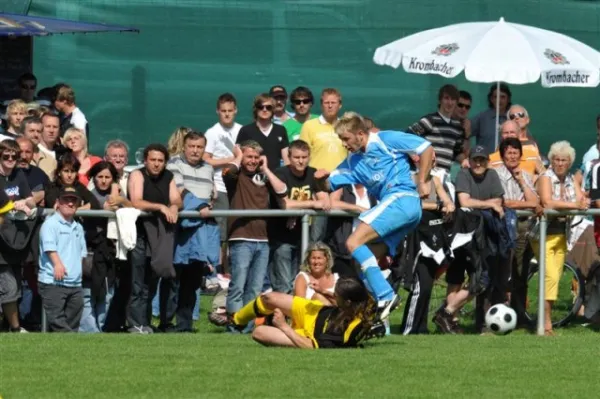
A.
x: 76, y: 141
x: 559, y: 191
x: 316, y: 281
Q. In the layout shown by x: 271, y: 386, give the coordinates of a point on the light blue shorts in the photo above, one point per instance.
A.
x: 393, y: 218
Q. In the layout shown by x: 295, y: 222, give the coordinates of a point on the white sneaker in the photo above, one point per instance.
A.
x: 386, y: 307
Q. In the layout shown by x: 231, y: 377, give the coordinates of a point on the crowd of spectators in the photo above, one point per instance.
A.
x: 96, y: 274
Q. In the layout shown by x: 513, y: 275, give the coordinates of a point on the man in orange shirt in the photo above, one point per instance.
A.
x: 530, y: 158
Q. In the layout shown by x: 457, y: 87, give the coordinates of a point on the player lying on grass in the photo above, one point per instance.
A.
x: 314, y: 325
x: 380, y: 162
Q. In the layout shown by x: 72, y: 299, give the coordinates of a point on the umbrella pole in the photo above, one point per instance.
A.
x: 497, y: 115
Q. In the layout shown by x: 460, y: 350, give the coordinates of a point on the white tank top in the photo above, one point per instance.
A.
x: 309, y: 291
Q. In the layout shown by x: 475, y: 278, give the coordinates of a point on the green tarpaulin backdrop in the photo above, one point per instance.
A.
x: 140, y: 87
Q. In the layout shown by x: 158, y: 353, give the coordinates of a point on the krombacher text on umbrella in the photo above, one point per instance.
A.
x: 431, y: 66
x: 567, y: 77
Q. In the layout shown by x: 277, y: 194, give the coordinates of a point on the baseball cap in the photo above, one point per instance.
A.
x: 278, y: 91
x: 478, y: 152
x: 69, y: 192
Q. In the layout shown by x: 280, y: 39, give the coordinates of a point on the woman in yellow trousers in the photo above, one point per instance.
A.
x: 559, y: 191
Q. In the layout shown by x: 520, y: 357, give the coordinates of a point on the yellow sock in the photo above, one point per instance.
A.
x: 250, y: 311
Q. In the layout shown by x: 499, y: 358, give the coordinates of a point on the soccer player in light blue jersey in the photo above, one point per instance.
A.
x: 381, y: 163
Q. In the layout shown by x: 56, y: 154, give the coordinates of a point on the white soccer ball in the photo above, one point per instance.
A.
x: 501, y: 319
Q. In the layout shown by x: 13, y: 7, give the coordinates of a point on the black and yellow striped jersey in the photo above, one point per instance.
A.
x: 349, y: 336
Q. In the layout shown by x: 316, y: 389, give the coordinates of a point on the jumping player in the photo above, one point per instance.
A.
x: 314, y: 325
x: 380, y: 162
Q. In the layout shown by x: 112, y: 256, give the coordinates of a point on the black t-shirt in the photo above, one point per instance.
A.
x: 16, y: 186
x: 272, y: 144
x: 4, y: 200
x: 36, y: 178
x: 53, y: 190
x: 299, y: 189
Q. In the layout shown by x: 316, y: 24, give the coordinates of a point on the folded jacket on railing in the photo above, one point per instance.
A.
x: 123, y: 230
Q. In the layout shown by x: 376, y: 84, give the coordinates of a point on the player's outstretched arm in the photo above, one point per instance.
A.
x: 425, y: 163
x: 321, y: 180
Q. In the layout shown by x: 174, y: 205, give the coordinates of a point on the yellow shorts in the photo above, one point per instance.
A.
x: 304, y: 316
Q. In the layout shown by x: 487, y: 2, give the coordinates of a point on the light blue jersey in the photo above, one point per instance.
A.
x: 384, y: 167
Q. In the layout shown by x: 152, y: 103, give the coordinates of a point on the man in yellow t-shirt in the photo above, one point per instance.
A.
x: 326, y: 150
x: 531, y: 161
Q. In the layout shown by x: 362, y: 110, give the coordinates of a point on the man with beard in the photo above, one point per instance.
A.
x: 36, y: 178
x: 280, y: 114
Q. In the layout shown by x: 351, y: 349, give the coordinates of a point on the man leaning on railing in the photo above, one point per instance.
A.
x: 152, y: 189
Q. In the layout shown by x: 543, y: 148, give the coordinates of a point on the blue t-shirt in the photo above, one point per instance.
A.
x: 68, y: 240
x: 384, y: 167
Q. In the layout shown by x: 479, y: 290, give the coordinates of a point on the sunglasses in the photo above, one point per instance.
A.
x: 463, y: 105
x: 27, y: 87
x: 10, y: 157
x: 302, y: 101
x: 516, y: 115
x: 265, y: 107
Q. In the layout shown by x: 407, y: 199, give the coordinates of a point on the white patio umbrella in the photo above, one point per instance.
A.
x: 496, y: 52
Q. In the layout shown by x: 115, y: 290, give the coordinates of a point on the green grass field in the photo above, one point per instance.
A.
x: 218, y: 365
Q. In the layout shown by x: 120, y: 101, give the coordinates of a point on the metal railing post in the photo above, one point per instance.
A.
x: 44, y: 320
x: 542, y: 275
x: 305, y: 235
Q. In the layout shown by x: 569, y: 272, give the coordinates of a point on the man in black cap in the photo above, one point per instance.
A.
x: 477, y: 188
x: 62, y: 250
x: 280, y: 114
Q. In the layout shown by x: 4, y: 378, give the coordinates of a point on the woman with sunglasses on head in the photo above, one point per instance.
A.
x: 15, y: 181
x: 271, y: 137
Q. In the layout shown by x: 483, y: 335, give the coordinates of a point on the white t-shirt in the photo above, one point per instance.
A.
x: 78, y: 119
x: 220, y: 142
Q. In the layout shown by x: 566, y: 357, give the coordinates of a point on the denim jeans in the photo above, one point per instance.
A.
x: 283, y: 267
x: 248, y: 263
x: 318, y: 229
x: 94, y: 313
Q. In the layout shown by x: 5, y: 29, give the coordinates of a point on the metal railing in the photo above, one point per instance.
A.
x: 305, y: 215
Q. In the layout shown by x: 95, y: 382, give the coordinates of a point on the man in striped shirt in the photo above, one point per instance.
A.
x: 446, y: 135
x: 191, y: 174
